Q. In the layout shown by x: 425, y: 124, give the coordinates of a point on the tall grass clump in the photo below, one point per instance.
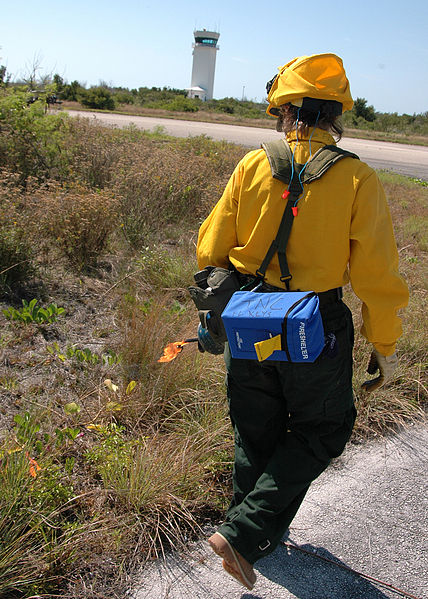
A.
x: 75, y: 220
x: 147, y: 327
x: 166, y: 183
x: 17, y: 263
x: 155, y: 480
x: 94, y: 153
x: 40, y: 525
x: 165, y: 270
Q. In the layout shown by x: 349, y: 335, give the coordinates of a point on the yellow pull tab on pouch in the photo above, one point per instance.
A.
x: 265, y: 348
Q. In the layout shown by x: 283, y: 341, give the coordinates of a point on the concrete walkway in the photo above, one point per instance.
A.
x: 367, y: 511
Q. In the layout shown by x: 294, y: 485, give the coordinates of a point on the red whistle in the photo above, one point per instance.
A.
x: 285, y: 194
x: 294, y: 210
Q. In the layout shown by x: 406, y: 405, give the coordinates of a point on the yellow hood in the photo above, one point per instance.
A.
x: 319, y: 76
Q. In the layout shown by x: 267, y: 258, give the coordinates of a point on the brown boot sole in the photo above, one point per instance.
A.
x: 231, y: 563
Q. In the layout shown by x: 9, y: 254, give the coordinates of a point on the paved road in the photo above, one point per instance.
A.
x: 400, y: 158
x: 367, y: 511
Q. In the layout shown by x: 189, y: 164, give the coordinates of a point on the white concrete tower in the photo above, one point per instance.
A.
x: 204, y: 55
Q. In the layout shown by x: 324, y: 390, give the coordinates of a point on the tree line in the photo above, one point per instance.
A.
x: 107, y: 97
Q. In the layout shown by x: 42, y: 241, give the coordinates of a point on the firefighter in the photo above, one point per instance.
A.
x: 290, y: 420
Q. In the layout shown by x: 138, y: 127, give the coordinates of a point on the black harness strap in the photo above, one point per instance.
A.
x: 280, y: 159
x: 279, y: 244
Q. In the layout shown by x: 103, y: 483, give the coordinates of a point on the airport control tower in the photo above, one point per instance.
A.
x: 204, y: 55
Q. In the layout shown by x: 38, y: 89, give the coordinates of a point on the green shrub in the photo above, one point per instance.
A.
x: 123, y: 96
x: 32, y: 143
x: 239, y: 108
x: 365, y: 117
x: 147, y: 95
x: 361, y: 109
x: 177, y: 104
x: 97, y: 97
x: 72, y: 91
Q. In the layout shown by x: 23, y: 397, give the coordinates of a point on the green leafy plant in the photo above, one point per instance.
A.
x: 65, y: 434
x: 85, y: 355
x: 420, y: 182
x: 31, y: 312
x: 26, y: 428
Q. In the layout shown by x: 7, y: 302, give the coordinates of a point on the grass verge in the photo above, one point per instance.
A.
x: 264, y: 123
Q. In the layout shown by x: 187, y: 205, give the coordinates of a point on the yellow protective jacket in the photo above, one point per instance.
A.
x: 343, y: 232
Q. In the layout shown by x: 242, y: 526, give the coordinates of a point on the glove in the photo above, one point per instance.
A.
x: 386, y: 366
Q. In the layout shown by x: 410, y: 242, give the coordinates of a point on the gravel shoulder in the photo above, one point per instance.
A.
x: 366, y: 511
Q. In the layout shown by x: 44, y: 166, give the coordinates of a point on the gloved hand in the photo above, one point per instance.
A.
x: 386, y: 366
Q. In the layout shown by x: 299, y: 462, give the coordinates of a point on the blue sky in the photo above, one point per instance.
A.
x: 384, y: 45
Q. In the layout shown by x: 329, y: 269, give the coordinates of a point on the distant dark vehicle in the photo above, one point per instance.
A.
x: 50, y: 99
x: 53, y: 99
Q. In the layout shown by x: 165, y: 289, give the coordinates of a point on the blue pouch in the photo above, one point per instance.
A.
x: 285, y: 326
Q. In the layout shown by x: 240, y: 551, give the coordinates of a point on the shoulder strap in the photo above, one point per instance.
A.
x: 322, y: 160
x: 279, y: 244
x: 279, y: 155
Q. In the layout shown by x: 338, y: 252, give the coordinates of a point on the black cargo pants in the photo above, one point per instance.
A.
x: 289, y: 421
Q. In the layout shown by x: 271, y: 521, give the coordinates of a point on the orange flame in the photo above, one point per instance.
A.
x: 172, y: 350
x: 34, y: 467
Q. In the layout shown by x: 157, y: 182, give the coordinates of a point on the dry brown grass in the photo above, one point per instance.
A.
x: 75, y: 220
x: 146, y: 172
x: 405, y: 399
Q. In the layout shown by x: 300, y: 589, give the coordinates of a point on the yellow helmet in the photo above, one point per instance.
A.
x: 316, y: 77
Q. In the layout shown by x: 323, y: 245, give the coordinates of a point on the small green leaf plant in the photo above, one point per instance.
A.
x: 32, y: 313
x: 28, y: 435
x: 84, y: 355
